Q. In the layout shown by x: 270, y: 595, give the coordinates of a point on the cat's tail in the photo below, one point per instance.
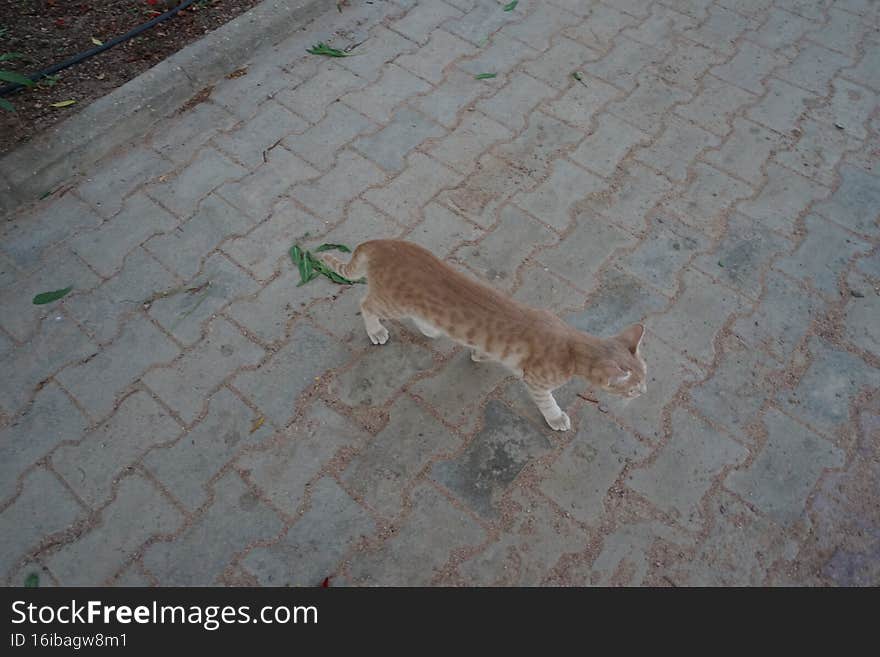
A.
x: 353, y: 269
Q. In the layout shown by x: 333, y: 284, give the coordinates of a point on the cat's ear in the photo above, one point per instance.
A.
x: 631, y: 337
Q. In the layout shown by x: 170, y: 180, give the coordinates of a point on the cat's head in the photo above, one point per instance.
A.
x: 621, y: 370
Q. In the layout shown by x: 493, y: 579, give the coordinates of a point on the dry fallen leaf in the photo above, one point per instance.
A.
x: 64, y: 103
x: 258, y: 424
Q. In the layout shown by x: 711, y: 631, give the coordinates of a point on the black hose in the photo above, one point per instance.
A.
x: 76, y: 59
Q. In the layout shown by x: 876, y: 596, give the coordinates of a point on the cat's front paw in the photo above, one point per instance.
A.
x: 379, y: 336
x: 560, y: 423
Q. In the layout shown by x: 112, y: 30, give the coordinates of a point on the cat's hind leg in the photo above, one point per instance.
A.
x: 555, y: 416
x: 377, y: 333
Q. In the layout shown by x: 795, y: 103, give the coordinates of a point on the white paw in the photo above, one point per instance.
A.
x: 560, y: 423
x: 380, y: 336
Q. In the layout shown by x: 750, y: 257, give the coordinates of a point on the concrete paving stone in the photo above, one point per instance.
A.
x: 461, y: 148
x: 498, y: 254
x: 244, y: 95
x: 390, y: 146
x: 512, y: 104
x: 781, y: 29
x: 137, y: 512
x: 384, y: 46
x: 259, y: 192
x: 685, y: 468
x: 249, y: 142
x: 582, y: 253
x: 737, y: 388
x: 184, y: 249
x: 851, y: 106
x: 182, y: 192
x: 447, y: 100
x: 185, y: 384
x: 284, y: 469
x: 43, y: 508
x: 378, y: 475
x: 781, y: 478
x: 856, y: 202
x: 582, y: 102
x: 715, y: 105
x: 661, y: 26
x: 743, y: 255
x: 628, y: 201
x: 870, y: 265
x: 102, y: 312
x: 235, y: 519
x: 781, y: 318
x: 692, y: 322
x: 132, y: 577
x: 184, y: 312
x: 181, y: 137
x: 751, y: 8
x: 676, y: 148
x: 442, y: 231
x: 554, y: 200
x: 380, y: 373
x: 107, y: 188
x: 516, y: 396
x: 555, y: 66
x: 825, y: 392
x: 539, y: 27
x: 420, y: 21
x: 313, y: 548
x: 843, y: 32
x: 92, y: 465
x: 536, y: 538
x: 620, y: 300
x: 58, y: 343
x: 404, y: 197
x: 749, y: 66
x: 647, y: 103
x: 380, y: 100
x: 28, y: 239
x: 823, y: 255
x: 603, y: 23
x: 622, y: 64
x: 685, y: 65
x: 542, y: 289
x: 782, y: 199
x: 605, y: 147
x: 783, y: 106
x: 277, y: 384
x: 426, y: 539
x: 482, y: 19
x: 710, y: 194
x: 579, y: 479
x: 8, y: 272
x: 861, y: 315
x: 319, y: 144
x: 186, y: 466
x: 49, y: 420
x: 312, y: 98
x: 867, y: 71
x: 501, y: 56
x: 485, y: 471
x: 97, y: 382
x: 363, y: 223
x: 105, y: 248
x: 479, y: 196
x: 721, y: 30
x: 328, y: 195
x: 813, y: 68
x: 542, y: 141
x: 262, y: 250
x: 817, y: 152
x: 745, y: 150
x: 457, y: 390
x: 668, y: 246
x: 431, y: 60
x: 341, y: 315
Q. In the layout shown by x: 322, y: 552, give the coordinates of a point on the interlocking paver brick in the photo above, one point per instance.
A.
x: 380, y: 373
x: 92, y: 465
x: 186, y: 466
x: 444, y: 103
x: 749, y: 67
x: 314, y: 546
x: 661, y: 26
x: 783, y: 475
x: 180, y: 138
x: 318, y: 145
x: 553, y: 201
x: 235, y: 518
x: 867, y: 71
x: 480, y: 194
x: 363, y: 222
x: 581, y: 102
x: 632, y: 196
x: 420, y: 21
x: 721, y: 30
x: 276, y: 385
x: 602, y: 24
x: 243, y: 96
x: 539, y: 27
x: 384, y: 46
x: 137, y: 512
x: 328, y: 195
x: 817, y: 152
x: 813, y: 68
x: 107, y: 188
x: 651, y: 98
x: 685, y: 468
x: 461, y: 147
x: 861, y: 315
x: 390, y: 146
x: 379, y: 100
x: 626, y: 553
x: 185, y: 384
x: 620, y: 300
x: 622, y: 64
x: 842, y: 32
x: 502, y: 56
x: 442, y: 230
x: 782, y: 199
x: 513, y: 102
x: 542, y: 288
x: 605, y: 147
x: 781, y: 29
x: 555, y: 66
x: 249, y: 142
x: 675, y: 149
x: 714, y: 106
x: 312, y: 98
x: 404, y: 197
x: 782, y: 107
x: 710, y: 194
x: 856, y: 202
x: 685, y: 65
x: 851, y: 106
x: 430, y: 61
x: 541, y: 142
x: 482, y: 18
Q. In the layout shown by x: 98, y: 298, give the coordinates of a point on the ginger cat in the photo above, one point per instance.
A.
x: 407, y: 282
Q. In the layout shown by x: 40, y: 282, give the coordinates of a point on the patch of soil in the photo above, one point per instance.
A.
x: 47, y: 32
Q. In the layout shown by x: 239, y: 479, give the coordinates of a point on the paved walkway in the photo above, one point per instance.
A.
x: 188, y: 415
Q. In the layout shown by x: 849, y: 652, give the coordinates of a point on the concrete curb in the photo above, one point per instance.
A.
x: 127, y: 113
